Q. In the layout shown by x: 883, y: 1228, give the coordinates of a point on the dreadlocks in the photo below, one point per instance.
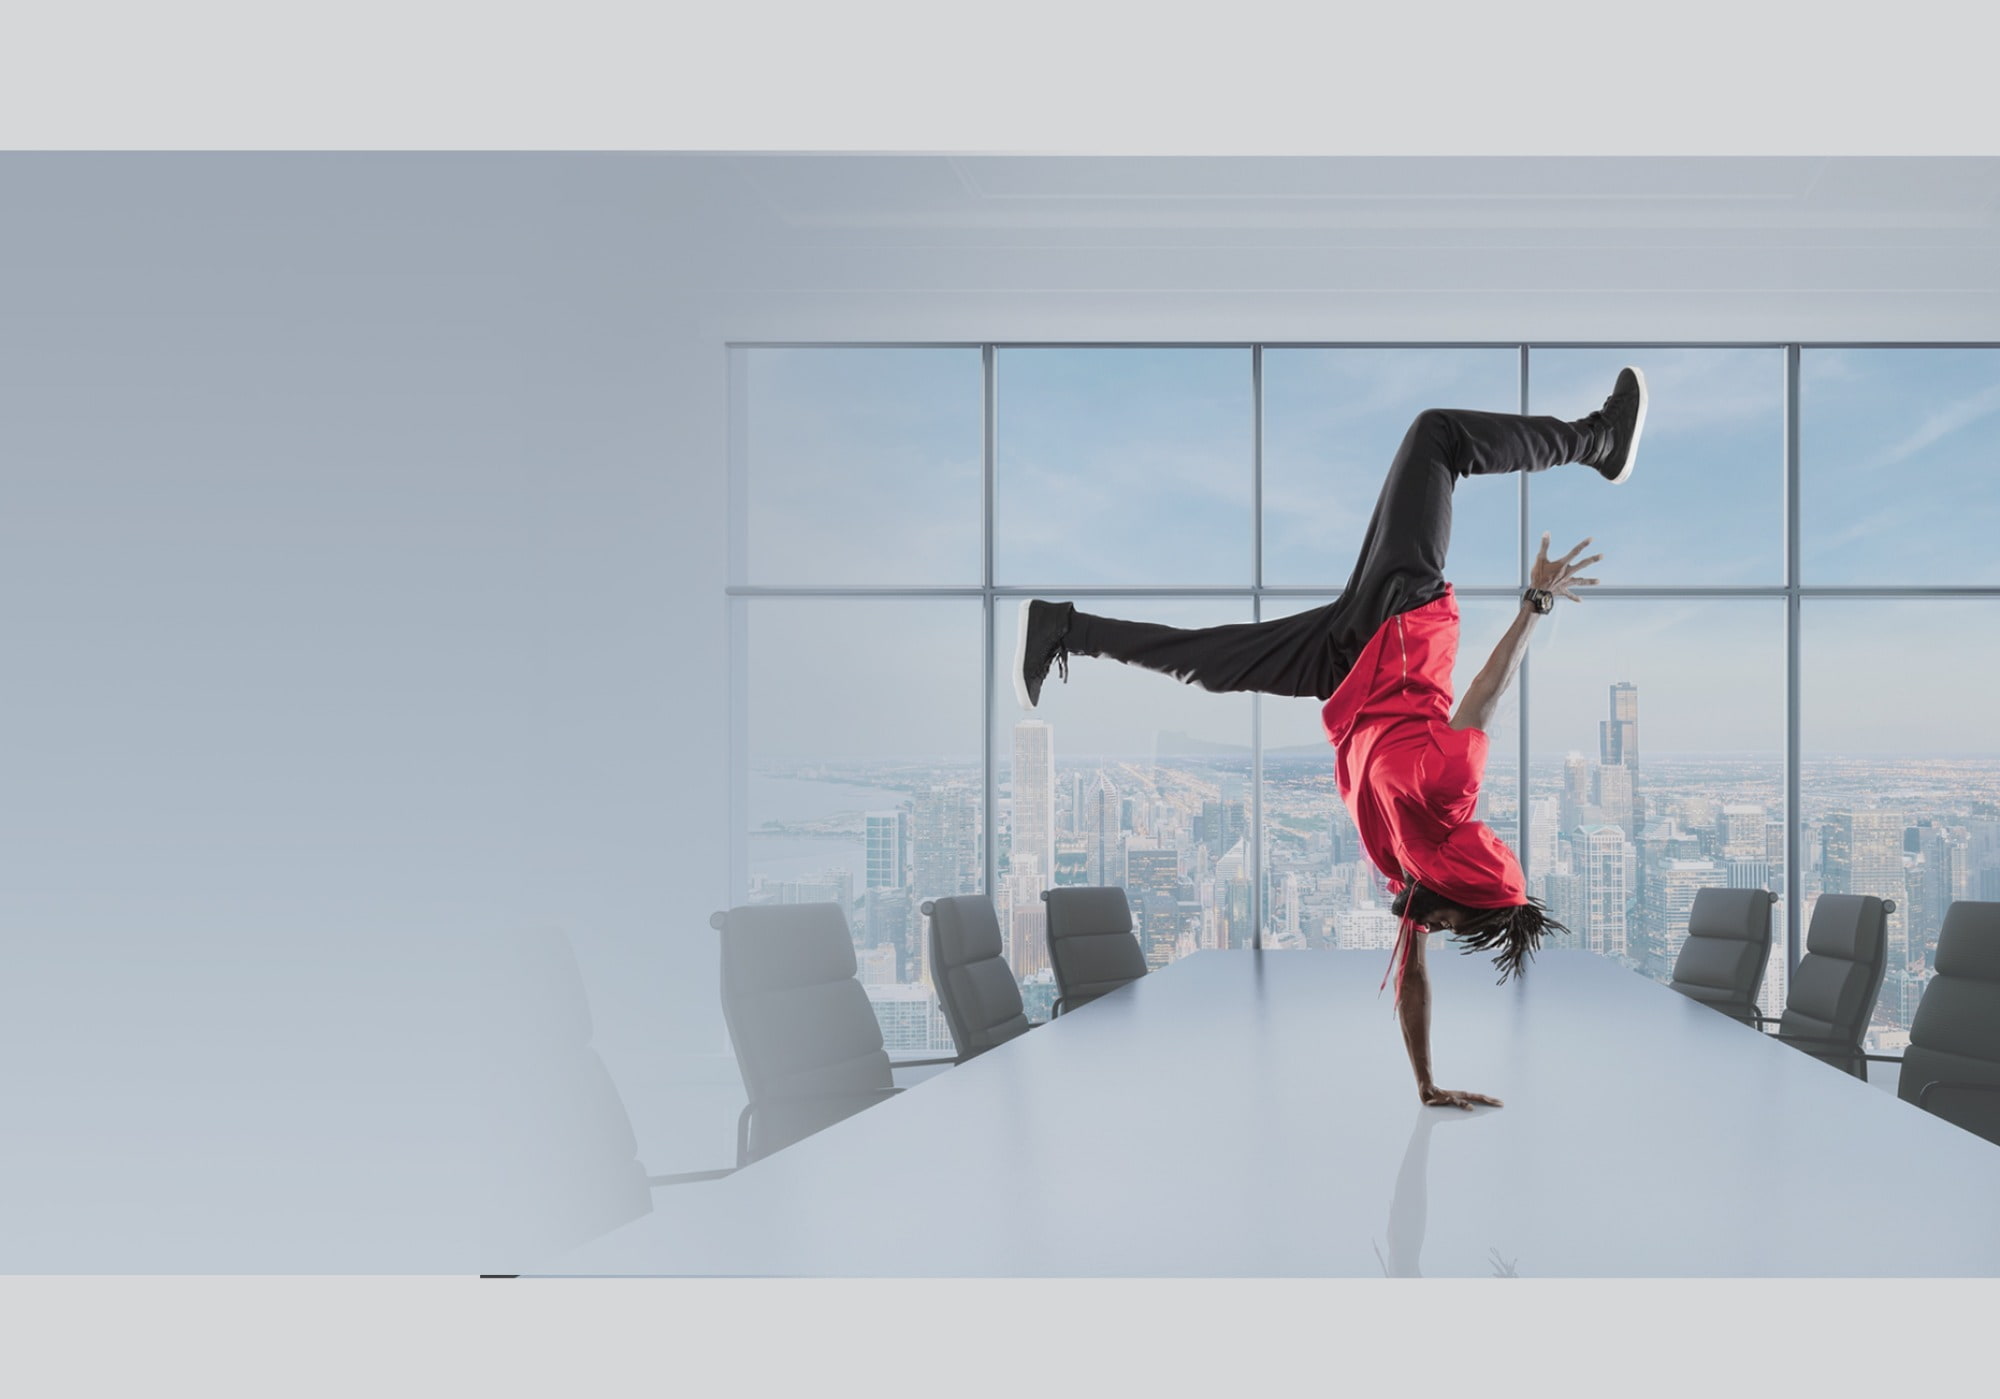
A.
x: 1515, y: 931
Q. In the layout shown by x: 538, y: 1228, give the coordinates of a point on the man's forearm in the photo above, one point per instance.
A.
x: 1482, y: 696
x: 1413, y: 1008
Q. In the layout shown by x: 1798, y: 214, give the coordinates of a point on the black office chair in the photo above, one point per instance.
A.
x: 1952, y: 1067
x: 1729, y: 940
x: 806, y: 1039
x: 1832, y: 994
x: 975, y: 987
x: 1091, y: 947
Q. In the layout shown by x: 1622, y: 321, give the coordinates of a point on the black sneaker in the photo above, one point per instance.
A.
x: 1037, y: 645
x: 1622, y: 419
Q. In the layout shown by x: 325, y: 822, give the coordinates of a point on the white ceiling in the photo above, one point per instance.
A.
x: 997, y: 193
x: 1747, y: 247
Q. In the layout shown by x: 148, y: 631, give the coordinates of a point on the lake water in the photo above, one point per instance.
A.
x: 802, y: 799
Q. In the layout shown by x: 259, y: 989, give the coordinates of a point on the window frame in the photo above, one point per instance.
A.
x: 740, y: 595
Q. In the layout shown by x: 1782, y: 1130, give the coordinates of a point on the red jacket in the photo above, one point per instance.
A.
x: 1410, y: 779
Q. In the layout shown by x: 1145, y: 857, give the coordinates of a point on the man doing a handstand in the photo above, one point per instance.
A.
x: 1380, y: 657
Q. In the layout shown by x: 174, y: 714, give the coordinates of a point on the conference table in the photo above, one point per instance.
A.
x: 1245, y: 1113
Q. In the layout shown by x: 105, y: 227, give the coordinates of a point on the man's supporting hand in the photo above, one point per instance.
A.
x: 1436, y: 1097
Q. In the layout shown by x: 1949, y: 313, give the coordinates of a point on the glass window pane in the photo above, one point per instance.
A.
x: 1125, y: 776
x: 1332, y: 422
x: 865, y: 778
x: 1656, y: 768
x: 1899, y: 773
x: 863, y: 466
x: 1321, y: 889
x: 1705, y: 504
x: 1897, y: 466
x: 1122, y: 466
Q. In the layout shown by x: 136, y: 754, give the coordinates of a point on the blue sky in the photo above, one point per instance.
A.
x: 1134, y: 467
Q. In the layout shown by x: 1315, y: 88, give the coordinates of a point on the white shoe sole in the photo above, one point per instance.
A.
x: 1021, y: 656
x: 1638, y: 426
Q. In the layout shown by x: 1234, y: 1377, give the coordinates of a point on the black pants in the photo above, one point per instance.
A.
x: 1401, y: 565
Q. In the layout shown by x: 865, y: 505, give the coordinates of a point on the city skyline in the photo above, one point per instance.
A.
x: 1618, y: 847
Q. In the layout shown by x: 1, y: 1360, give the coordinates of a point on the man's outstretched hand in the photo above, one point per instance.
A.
x: 1560, y: 577
x: 1435, y: 1097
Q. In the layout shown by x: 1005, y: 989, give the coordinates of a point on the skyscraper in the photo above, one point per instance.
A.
x: 888, y: 849
x: 1861, y: 852
x: 1034, y: 814
x: 1152, y: 886
x: 1680, y: 881
x: 1099, y: 826
x: 1604, y: 863
x: 1618, y: 736
x: 944, y: 841
x: 1742, y: 832
x: 1543, y: 815
x: 1577, y: 796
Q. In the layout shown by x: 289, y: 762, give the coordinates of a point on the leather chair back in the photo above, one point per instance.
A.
x: 976, y: 989
x: 1091, y: 946
x: 1954, y: 1048
x: 1832, y: 994
x: 1729, y: 940
x: 806, y: 1038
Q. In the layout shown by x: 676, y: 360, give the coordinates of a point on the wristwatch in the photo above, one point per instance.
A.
x: 1542, y: 600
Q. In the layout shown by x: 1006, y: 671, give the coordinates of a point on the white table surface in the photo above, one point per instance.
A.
x: 1246, y: 1114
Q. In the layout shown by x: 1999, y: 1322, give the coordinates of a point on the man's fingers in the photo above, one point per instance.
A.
x: 1572, y: 553
x: 1582, y: 564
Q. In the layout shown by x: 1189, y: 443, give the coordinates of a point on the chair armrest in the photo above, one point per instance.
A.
x: 861, y: 1099
x: 690, y: 1177
x: 1818, y: 1041
x: 1952, y: 1085
x: 1979, y: 1110
x: 1855, y: 1051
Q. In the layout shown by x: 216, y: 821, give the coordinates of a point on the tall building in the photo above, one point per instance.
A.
x: 1099, y: 827
x: 1367, y: 928
x: 1152, y: 885
x: 1034, y: 813
x: 1680, y: 881
x: 1618, y: 736
x: 888, y: 849
x: 876, y: 966
x: 1577, y: 795
x: 1613, y: 792
x: 1929, y: 881
x: 1749, y: 874
x: 1771, y: 996
x: 1742, y: 834
x: 945, y: 840
x: 1604, y: 862
x: 1027, y: 920
x: 1861, y: 852
x: 912, y: 1025
x: 1544, y: 816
